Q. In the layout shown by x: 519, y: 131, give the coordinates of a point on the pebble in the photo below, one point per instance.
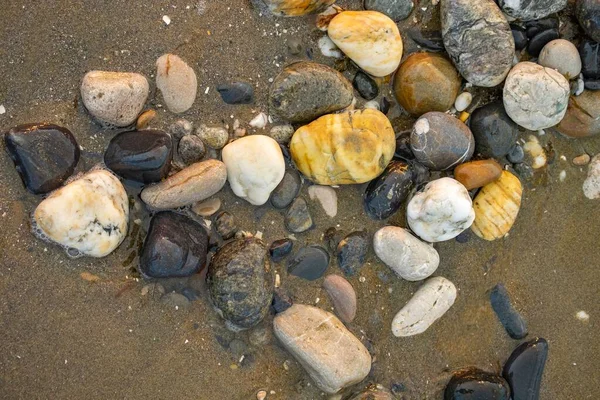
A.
x: 195, y: 183
x: 115, y: 98
x: 215, y: 137
x: 175, y: 247
x: 225, y: 225
x: 496, y: 207
x: 145, y: 119
x: 563, y: 56
x: 280, y: 249
x: 478, y: 39
x: 463, y: 101
x: 351, y: 252
x: 177, y: 82
x: 287, y: 190
x: 473, y: 383
x: 439, y: 141
x: 208, y: 207
x: 304, y: 91
x: 365, y: 85
x: 522, y: 102
x: 292, y: 8
x: 386, y: 193
x: 180, y: 128
x: 531, y: 10
x: 309, y: 263
x: 326, y: 196
x: 363, y: 141
x: 519, y: 36
x: 591, y: 185
x: 426, y: 82
x: 332, y: 356
x: 281, y: 301
x: 524, y: 369
x: 370, y: 39
x: 342, y: 296
x: 588, y: 14
x: 298, y: 218
x: 282, y: 134
x: 261, y: 395
x: 255, y: 166
x: 510, y: 318
x: 374, y: 392
x: 236, y: 93
x: 89, y: 215
x: 259, y: 122
x: 582, y: 118
x: 44, y: 155
x: 539, y: 41
x: 240, y: 281
x: 495, y: 133
x: 191, y: 149
x: 516, y: 154
x: 589, y: 52
x: 441, y: 211
x: 397, y: 10
x: 429, y: 303
x: 407, y: 256
x: 328, y: 48
x: 176, y: 301
x: 581, y: 160
x: 475, y: 174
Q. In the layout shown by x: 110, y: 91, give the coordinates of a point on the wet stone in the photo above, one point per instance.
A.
x: 281, y: 301
x: 397, y: 10
x: 351, y: 252
x: 474, y: 384
x: 590, y: 59
x: 385, y: 194
x: 191, y: 149
x: 287, y: 190
x: 516, y: 154
x: 280, y: 249
x: 225, y: 225
x: 236, y: 93
x: 495, y: 133
x: 519, y: 36
x: 298, y: 218
x: 510, y: 318
x: 537, y: 43
x: 309, y: 263
x: 332, y: 237
x: 588, y: 14
x: 524, y: 369
x: 403, y: 150
x: 365, y: 85
x: 430, y: 40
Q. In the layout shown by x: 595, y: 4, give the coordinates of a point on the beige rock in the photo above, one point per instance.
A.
x: 294, y: 8
x: 583, y: 115
x: 177, y: 82
x: 342, y: 296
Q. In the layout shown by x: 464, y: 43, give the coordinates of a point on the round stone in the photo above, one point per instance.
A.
x: 215, y: 137
x: 475, y: 174
x: 516, y: 154
x: 562, y: 56
x: 495, y: 133
x: 287, y: 190
x: 191, y: 149
x: 351, y: 252
x: 395, y: 9
x: 309, y: 263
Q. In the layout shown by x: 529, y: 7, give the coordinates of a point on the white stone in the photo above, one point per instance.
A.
x: 536, y: 152
x: 328, y: 48
x: 591, y: 185
x: 255, y: 166
x: 427, y: 305
x: 2, y: 109
x: 463, y: 101
x: 260, y: 121
x: 326, y: 196
x: 177, y: 82
x: 535, y: 97
x: 373, y: 104
x: 90, y: 214
x: 441, y: 211
x: 406, y: 255
x: 115, y: 98
x: 563, y: 56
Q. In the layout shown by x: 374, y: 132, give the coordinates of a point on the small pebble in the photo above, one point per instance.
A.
x: 225, y: 225
x: 280, y: 249
x: 282, y: 133
x: 510, y: 318
x: 516, y: 154
x: 309, y: 263
x: 351, y: 252
x: 236, y: 93
x: 166, y: 19
x: 365, y: 85
x: 581, y: 160
x: 281, y: 301
x: 328, y: 48
x: 298, y: 218
x: 327, y: 197
x: 294, y: 46
x: 191, y: 149
x: 582, y: 316
x: 214, y: 137
x: 463, y: 101
x: 260, y: 121
x: 180, y: 128
x: 144, y: 119
x: 207, y: 208
x: 261, y: 395
x: 373, y: 104
x: 342, y: 296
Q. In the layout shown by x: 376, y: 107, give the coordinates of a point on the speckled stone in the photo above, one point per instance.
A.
x: 531, y: 10
x: 225, y: 225
x: 397, y: 10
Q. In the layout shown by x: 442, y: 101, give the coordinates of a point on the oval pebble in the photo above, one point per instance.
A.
x: 342, y: 296
x: 510, y: 318
x: 463, y: 101
x: 524, y: 369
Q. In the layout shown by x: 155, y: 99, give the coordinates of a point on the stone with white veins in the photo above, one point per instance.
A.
x: 177, y: 82
x: 528, y: 10
x: 591, y: 185
x: 427, y: 305
x: 255, y: 166
x: 326, y: 196
x: 89, y: 215
x: 441, y: 211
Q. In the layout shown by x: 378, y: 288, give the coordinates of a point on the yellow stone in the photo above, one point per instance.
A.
x: 496, y: 207
x: 371, y: 39
x: 346, y: 148
x: 295, y: 8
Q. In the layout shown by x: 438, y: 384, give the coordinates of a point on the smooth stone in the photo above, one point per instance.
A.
x: 240, y: 282
x: 429, y: 39
x: 292, y: 8
x: 255, y: 166
x: 280, y: 249
x: 351, y: 252
x: 495, y: 133
x: 332, y: 356
x: 439, y: 141
x: 385, y: 194
x: 592, y: 84
x: 298, y: 218
x: 531, y: 10
x: 524, y: 369
x: 191, y: 149
x: 478, y: 39
x: 475, y: 174
x: 374, y: 392
x: 463, y: 101
x: 88, y: 215
x: 116, y: 98
x: 369, y: 38
x: 429, y: 303
x: 519, y: 36
x: 180, y: 128
x: 475, y: 384
x: 145, y: 119
x: 537, y: 43
x: 327, y: 197
x: 215, y: 137
x: 496, y: 207
x: 397, y: 10
x: 426, y: 82
x: 309, y: 263
x: 287, y: 190
x: 175, y: 300
x: 175, y: 247
x: 589, y: 51
x: 516, y: 154
x: 441, y: 211
x: 523, y: 103
x: 591, y: 185
x: 403, y: 151
x: 365, y: 85
x: 282, y: 134
x: 195, y: 183
x: 581, y: 160
x: 346, y: 148
x: 588, y: 15
x: 207, y: 208
x: 304, y: 91
x: 44, y: 155
x: 510, y: 318
x: 533, y: 28
x: 562, y: 56
x: 295, y: 46
x: 141, y: 156
x: 407, y: 256
x: 342, y: 296
x: 236, y: 93
x: 582, y: 118
x: 281, y: 301
x: 177, y: 82
x: 225, y: 225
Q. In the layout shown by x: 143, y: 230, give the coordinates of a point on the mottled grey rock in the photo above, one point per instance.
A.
x: 588, y: 14
x: 395, y: 9
x: 191, y: 149
x: 527, y: 10
x: 287, y: 190
x: 225, y: 225
x: 298, y: 218
x: 495, y: 133
x: 215, y: 137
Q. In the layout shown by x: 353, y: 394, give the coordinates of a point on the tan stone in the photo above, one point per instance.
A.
x: 475, y: 174
x: 583, y: 115
x: 295, y: 8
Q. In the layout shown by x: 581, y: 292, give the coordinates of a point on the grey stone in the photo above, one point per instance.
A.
x: 588, y: 14
x: 282, y: 133
x: 287, y: 190
x: 527, y: 10
x: 191, y: 149
x: 215, y: 137
x: 495, y: 133
x: 298, y: 218
x: 395, y: 9
x: 225, y: 225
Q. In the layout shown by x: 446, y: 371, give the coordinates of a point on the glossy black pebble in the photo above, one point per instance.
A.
x: 474, y: 384
x: 537, y: 43
x: 365, y: 85
x: 520, y: 36
x: 510, y: 318
x: 385, y: 194
x: 280, y: 249
x: 236, y: 93
x: 309, y: 263
x: 524, y: 369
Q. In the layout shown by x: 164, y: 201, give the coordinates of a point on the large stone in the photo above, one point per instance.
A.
x: 177, y: 82
x: 479, y: 40
x: 45, y: 155
x: 588, y: 14
x: 582, y: 118
x: 495, y: 133
x: 333, y: 357
x: 304, y: 91
x: 371, y: 39
x: 395, y: 9
x: 88, y: 216
x: 527, y: 10
x: 292, y: 8
x: 563, y: 56
x: 524, y: 369
x: 195, y: 183
x: 385, y: 194
x: 474, y: 384
x: 115, y: 98
x: 351, y: 147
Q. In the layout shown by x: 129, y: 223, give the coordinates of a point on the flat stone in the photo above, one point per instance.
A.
x: 582, y: 118
x: 510, y: 318
x: 473, y: 383
x: 326, y: 196
x: 298, y: 218
x: 397, y: 10
x: 177, y: 82
x: 342, y: 296
x: 236, y: 93
x: 385, y: 194
x: 475, y: 174
x: 531, y: 10
x: 309, y: 263
x: 524, y: 369
x: 351, y: 252
x: 495, y: 133
x: 287, y: 190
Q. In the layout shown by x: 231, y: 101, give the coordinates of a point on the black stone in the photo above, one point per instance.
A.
x: 280, y: 249
x: 510, y: 318
x: 142, y: 156
x: 403, y: 150
x: 421, y: 173
x: 332, y: 237
x: 351, y: 252
x: 225, y: 225
x: 175, y: 246
x: 365, y: 85
x: 592, y: 84
x: 281, y: 301
x: 431, y: 40
x: 588, y: 14
x: 590, y: 59
x: 464, y: 236
x: 524, y: 369
x: 384, y: 105
x: 533, y: 28
x: 495, y: 133
x: 309, y: 263
x: 298, y: 218
x: 236, y: 93
x: 537, y: 43
x: 44, y: 155
x: 516, y: 154
x: 520, y: 36
x: 385, y: 194
x: 287, y: 190
x: 474, y: 384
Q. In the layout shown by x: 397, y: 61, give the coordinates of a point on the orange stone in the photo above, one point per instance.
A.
x: 583, y: 115
x: 475, y: 174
